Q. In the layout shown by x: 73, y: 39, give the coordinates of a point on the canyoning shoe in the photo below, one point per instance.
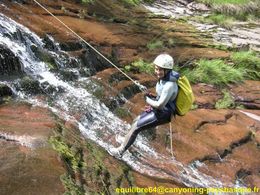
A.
x: 116, y: 152
x: 120, y: 139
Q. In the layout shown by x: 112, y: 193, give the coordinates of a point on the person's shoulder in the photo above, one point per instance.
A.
x: 170, y: 84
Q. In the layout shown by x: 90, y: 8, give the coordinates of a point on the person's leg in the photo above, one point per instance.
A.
x: 142, y: 122
x: 130, y: 137
x: 128, y: 140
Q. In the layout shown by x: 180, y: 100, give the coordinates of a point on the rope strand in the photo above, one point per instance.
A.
x: 141, y: 87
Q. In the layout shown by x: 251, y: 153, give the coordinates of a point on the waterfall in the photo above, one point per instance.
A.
x: 96, y: 121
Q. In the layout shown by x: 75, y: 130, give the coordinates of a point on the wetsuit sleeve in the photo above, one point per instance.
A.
x: 167, y: 93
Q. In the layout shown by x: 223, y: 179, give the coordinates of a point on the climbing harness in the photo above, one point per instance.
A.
x: 141, y: 87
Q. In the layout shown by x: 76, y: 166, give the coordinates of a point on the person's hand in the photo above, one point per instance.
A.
x: 149, y: 94
x: 148, y: 108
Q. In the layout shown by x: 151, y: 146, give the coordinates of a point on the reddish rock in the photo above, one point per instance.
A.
x: 247, y: 94
x: 218, y: 138
x: 241, y: 164
x: 28, y: 164
x: 206, y: 95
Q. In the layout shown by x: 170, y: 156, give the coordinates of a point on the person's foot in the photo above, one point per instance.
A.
x: 116, y: 152
x: 120, y: 139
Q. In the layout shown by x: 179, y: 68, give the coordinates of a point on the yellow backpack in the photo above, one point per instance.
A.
x: 185, y: 97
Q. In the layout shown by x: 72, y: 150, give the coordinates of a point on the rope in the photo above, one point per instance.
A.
x: 141, y: 87
x: 171, y: 137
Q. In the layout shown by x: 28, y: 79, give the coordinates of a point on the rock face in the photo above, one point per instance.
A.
x: 247, y: 94
x: 9, y: 63
x: 225, y: 143
x: 5, y: 91
x: 27, y: 163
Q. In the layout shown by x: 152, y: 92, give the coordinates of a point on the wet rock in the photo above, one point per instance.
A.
x: 207, y: 132
x: 5, y: 90
x: 247, y: 94
x: 215, y: 130
x: 21, y: 1
x: 253, y: 181
x: 257, y: 137
x: 241, y: 165
x: 29, y: 85
x: 68, y: 75
x: 71, y: 46
x: 45, y: 56
x: 26, y: 170
x: 9, y: 62
x: 49, y: 43
x: 93, y: 61
x: 198, y: 7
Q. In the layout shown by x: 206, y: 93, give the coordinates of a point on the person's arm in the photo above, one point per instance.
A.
x: 167, y: 92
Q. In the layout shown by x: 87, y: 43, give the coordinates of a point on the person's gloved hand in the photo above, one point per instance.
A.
x: 148, y: 108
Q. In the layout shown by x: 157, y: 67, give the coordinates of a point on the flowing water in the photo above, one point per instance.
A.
x: 96, y: 122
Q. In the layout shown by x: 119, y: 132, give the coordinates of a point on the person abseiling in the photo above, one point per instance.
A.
x: 160, y: 108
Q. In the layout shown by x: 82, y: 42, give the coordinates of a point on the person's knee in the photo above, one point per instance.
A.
x: 146, y: 119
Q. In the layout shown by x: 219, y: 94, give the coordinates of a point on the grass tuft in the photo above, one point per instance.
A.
x: 249, y: 62
x: 226, y: 102
x: 220, y: 19
x: 70, y: 185
x: 214, y: 72
x: 143, y: 66
x: 155, y: 44
x: 66, y: 152
x: 238, y: 9
x: 87, y: 1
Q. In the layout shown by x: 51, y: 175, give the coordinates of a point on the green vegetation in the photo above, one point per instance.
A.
x: 241, y: 65
x: 220, y: 47
x: 87, y: 171
x: 64, y: 9
x: 236, y: 9
x: 221, y: 2
x: 226, y: 102
x: 144, y: 66
x: 71, y: 156
x: 131, y: 2
x: 83, y: 13
x: 148, y: 1
x: 121, y: 112
x: 127, y: 68
x: 215, y: 72
x: 155, y: 44
x: 87, y: 1
x: 45, y: 56
x: 140, y: 66
x: 99, y: 93
x: 136, y: 2
x: 30, y: 85
x: 194, y: 106
x: 70, y: 185
x: 219, y: 19
x: 95, y: 88
x: 249, y: 62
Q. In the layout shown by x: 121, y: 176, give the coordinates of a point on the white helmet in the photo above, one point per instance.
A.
x: 164, y: 61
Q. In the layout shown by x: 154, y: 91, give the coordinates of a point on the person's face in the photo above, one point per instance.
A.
x: 159, y: 72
